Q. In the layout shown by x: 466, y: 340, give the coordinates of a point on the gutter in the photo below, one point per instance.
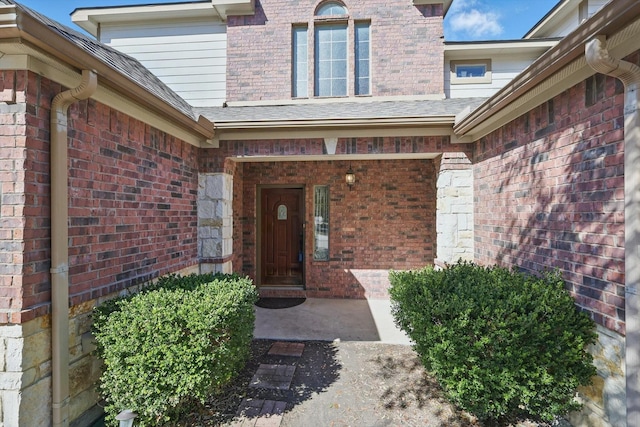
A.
x: 599, y: 59
x: 60, y: 245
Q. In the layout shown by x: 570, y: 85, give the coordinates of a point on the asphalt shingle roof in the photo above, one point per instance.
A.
x: 135, y: 71
x: 119, y: 61
x: 340, y: 110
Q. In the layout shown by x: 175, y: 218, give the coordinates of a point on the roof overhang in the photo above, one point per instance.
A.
x: 90, y: 19
x: 446, y: 4
x: 560, y: 68
x: 557, y: 14
x: 336, y: 128
x: 464, y: 50
x: 27, y: 43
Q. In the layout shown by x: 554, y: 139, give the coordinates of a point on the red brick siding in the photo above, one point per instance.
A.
x: 407, y: 48
x: 549, y: 194
x: 386, y: 221
x: 132, y: 202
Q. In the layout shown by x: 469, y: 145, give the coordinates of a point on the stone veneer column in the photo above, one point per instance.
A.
x: 454, y: 211
x: 215, y: 222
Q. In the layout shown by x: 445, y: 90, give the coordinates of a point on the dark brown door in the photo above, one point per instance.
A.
x: 282, y: 236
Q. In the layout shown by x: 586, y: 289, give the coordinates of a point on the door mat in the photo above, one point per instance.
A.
x: 277, y: 303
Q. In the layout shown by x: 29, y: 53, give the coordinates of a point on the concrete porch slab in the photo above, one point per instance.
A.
x: 329, y: 320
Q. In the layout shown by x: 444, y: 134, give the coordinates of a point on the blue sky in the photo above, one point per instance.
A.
x: 466, y: 20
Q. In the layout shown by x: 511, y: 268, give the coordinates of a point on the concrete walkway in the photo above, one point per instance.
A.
x: 314, y: 320
x: 329, y: 320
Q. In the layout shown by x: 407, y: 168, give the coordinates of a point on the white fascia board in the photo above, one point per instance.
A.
x: 473, y: 49
x: 90, y: 19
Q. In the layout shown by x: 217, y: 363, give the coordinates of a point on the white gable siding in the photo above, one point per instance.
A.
x: 189, y: 56
x: 564, y: 27
x: 596, y: 5
x: 504, y: 69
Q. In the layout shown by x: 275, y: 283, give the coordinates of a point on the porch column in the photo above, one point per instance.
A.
x: 215, y: 222
x: 454, y: 210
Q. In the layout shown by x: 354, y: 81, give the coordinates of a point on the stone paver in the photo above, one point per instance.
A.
x: 283, y: 348
x: 259, y: 413
x: 276, y: 377
x: 268, y: 413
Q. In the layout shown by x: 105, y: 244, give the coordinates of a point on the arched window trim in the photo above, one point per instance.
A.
x: 324, y: 9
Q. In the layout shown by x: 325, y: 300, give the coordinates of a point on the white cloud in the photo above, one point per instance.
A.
x: 459, y: 5
x: 476, y: 23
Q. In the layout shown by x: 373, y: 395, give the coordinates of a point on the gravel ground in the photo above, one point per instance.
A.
x: 355, y: 384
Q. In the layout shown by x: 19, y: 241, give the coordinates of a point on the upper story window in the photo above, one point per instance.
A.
x: 341, y: 55
x: 471, y: 71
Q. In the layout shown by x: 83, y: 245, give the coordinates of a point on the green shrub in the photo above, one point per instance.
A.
x: 503, y: 344
x: 173, y: 344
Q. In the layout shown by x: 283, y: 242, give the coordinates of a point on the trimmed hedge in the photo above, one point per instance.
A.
x: 173, y: 344
x: 503, y: 345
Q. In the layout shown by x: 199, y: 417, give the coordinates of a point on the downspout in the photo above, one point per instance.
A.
x: 598, y: 58
x: 60, y: 245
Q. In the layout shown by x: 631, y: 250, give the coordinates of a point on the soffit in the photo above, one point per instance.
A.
x: 462, y: 50
x: 446, y: 4
x: 90, y: 19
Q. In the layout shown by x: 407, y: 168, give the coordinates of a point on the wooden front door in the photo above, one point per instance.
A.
x: 282, y: 236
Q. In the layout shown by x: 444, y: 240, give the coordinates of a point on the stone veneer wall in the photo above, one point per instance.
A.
x: 215, y: 222
x: 454, y: 215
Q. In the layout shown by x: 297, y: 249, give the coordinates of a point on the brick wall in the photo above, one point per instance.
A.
x: 132, y: 191
x: 407, y: 49
x: 549, y: 194
x: 387, y: 220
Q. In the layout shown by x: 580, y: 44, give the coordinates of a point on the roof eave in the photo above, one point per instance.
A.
x: 341, y: 128
x: 611, y: 18
x: 21, y: 27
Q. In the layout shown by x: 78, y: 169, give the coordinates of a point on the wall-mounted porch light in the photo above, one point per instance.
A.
x: 126, y: 418
x: 350, y: 177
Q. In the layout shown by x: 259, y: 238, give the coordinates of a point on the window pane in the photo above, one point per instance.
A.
x: 471, y: 70
x: 323, y: 87
x: 338, y: 86
x: 363, y: 58
x: 300, y: 73
x: 339, y: 69
x: 339, y: 51
x: 321, y: 223
x: 362, y: 87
